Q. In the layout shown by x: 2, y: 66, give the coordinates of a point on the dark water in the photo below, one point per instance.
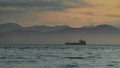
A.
x: 59, y: 56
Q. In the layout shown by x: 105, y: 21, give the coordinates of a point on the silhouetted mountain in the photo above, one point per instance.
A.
x: 9, y: 27
x: 13, y: 26
x: 101, y: 34
x: 97, y: 29
x: 106, y: 28
x: 46, y: 28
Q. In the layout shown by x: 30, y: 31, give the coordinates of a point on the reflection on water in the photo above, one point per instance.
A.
x: 59, y: 56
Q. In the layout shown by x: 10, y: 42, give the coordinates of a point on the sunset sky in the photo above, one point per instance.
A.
x: 75, y: 13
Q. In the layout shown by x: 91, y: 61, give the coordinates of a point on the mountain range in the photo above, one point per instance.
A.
x: 13, y: 33
x: 43, y: 28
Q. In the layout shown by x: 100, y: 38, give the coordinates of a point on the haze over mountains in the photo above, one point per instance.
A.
x: 43, y: 28
x: 101, y: 34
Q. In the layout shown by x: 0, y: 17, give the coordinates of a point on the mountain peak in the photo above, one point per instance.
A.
x: 9, y: 26
x: 105, y: 26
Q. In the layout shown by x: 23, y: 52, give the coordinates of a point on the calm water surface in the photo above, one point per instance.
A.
x: 59, y: 56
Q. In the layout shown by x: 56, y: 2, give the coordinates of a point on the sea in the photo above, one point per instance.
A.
x: 59, y: 56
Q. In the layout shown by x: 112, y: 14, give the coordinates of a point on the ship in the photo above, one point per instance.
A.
x: 81, y: 42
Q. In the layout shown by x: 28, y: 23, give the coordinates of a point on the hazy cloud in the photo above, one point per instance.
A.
x: 89, y: 13
x: 47, y: 4
x: 82, y: 12
x: 29, y: 3
x: 113, y: 15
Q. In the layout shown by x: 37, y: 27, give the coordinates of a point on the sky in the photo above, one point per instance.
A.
x: 75, y: 13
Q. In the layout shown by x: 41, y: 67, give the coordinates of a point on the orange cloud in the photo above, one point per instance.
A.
x: 77, y: 17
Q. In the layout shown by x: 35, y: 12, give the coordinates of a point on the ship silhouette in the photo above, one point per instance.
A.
x: 81, y: 42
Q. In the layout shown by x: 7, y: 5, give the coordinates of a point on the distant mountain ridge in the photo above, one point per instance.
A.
x: 13, y: 26
x: 46, y: 28
x: 100, y: 34
x: 9, y: 26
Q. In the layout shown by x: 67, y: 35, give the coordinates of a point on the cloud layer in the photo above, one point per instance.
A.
x: 60, y: 12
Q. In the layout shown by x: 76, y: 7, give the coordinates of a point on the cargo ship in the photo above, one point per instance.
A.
x: 81, y: 42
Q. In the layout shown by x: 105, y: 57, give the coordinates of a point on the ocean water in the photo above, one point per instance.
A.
x: 59, y: 56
